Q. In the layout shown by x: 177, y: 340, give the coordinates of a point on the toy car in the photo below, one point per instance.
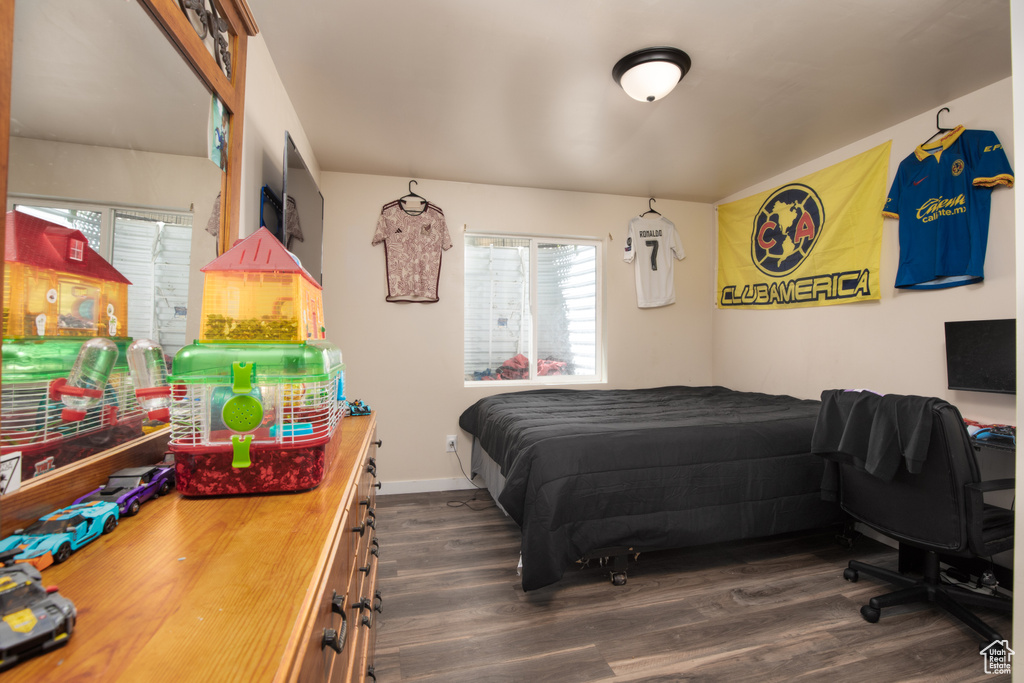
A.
x: 33, y: 619
x: 130, y: 488
x: 53, y: 537
x: 357, y: 407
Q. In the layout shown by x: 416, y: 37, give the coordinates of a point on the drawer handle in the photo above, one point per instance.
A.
x: 335, y: 639
x: 378, y: 443
x: 365, y: 501
x: 371, y: 523
x: 379, y: 600
x: 375, y: 550
x: 371, y: 512
x: 372, y: 470
x: 361, y: 529
x: 370, y: 673
x: 338, y: 605
x: 362, y: 604
x: 365, y: 570
x: 366, y: 621
x: 377, y: 484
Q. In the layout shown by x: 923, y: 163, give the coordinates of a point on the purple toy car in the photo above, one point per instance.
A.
x: 132, y: 487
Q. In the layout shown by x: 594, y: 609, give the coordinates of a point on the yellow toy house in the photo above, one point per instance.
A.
x: 258, y: 292
x: 55, y: 285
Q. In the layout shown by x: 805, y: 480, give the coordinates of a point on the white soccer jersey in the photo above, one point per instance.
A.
x: 657, y: 241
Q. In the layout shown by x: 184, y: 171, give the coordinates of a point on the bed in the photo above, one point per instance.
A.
x: 594, y: 473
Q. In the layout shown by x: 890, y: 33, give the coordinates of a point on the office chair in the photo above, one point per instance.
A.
x: 939, y: 508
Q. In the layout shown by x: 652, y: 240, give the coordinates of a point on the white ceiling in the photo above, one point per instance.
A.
x: 520, y: 92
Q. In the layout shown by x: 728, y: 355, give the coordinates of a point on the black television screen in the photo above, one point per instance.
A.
x: 302, y: 216
x: 981, y: 355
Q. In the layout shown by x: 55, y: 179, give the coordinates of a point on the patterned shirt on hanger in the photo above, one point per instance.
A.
x: 412, y: 250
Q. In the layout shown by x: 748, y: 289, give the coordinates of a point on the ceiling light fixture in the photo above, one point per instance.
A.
x: 650, y: 74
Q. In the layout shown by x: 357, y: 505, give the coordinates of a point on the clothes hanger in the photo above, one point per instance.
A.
x: 401, y: 201
x: 650, y: 208
x: 940, y: 130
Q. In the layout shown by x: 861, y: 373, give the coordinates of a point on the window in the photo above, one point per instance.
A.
x: 153, y: 250
x: 76, y: 250
x: 532, y: 309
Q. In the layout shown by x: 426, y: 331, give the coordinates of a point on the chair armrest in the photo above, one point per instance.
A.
x: 975, y: 504
x: 993, y: 485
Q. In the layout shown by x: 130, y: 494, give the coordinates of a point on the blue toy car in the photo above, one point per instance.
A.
x: 130, y: 488
x: 33, y: 618
x: 53, y: 537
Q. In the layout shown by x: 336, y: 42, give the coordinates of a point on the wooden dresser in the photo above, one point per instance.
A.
x: 253, y: 588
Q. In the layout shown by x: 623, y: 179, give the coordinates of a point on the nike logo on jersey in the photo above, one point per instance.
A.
x: 918, y: 182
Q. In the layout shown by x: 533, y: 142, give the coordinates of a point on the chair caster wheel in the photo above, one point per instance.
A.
x: 851, y: 575
x: 870, y: 614
x: 618, y: 578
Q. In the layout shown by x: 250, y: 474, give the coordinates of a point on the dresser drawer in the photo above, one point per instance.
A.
x: 368, y: 627
x: 332, y: 644
x: 328, y: 639
x: 368, y: 483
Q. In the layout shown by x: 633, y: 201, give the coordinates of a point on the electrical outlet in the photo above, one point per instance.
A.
x: 450, y: 443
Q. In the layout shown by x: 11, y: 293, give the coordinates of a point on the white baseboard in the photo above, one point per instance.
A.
x: 424, y: 486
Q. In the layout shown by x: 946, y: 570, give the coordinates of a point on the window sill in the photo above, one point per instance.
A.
x: 546, y: 382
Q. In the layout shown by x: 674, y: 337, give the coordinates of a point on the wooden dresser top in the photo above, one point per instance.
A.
x: 201, y: 588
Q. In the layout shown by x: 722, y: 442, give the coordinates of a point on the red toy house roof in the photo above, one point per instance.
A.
x: 45, y: 245
x: 260, y: 251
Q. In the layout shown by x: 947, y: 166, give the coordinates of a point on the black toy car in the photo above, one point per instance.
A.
x: 33, y: 619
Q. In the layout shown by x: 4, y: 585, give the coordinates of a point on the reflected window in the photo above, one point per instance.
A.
x: 153, y: 250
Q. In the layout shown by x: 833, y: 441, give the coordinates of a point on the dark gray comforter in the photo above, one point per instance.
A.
x: 648, y: 469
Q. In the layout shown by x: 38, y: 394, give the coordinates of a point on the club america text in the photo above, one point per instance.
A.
x: 825, y: 287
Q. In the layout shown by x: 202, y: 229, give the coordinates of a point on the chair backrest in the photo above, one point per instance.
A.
x: 926, y: 509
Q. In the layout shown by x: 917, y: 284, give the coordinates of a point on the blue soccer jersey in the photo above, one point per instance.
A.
x: 941, y: 196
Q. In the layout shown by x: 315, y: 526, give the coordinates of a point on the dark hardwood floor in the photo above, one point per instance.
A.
x: 773, y: 609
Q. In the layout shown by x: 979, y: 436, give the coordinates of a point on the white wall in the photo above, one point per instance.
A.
x: 895, y: 345
x: 405, y: 360
x: 268, y: 114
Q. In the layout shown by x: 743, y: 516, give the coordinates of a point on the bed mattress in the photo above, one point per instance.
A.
x: 647, y: 469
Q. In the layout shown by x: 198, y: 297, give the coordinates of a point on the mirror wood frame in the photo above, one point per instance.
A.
x: 58, y: 488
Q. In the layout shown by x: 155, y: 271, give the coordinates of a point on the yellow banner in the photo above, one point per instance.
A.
x: 813, y: 242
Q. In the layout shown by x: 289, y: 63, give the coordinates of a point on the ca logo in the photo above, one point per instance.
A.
x: 786, y: 228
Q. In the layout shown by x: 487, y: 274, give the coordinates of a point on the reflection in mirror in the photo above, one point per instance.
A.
x: 108, y: 138
x: 303, y: 212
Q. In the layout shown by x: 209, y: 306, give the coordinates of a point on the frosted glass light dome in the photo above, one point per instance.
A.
x: 650, y: 74
x: 651, y: 81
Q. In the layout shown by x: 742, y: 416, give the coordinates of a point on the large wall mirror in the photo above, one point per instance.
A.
x: 109, y: 132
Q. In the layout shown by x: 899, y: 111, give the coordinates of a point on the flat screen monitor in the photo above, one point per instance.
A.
x: 302, y: 216
x: 981, y: 355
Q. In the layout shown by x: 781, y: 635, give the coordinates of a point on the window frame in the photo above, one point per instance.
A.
x: 535, y: 380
